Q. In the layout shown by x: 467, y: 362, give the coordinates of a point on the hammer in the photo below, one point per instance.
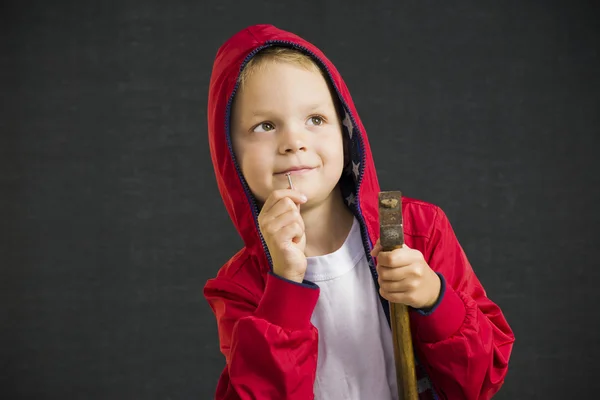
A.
x: 391, y: 236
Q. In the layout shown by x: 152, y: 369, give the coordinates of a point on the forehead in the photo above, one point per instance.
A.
x: 283, y: 83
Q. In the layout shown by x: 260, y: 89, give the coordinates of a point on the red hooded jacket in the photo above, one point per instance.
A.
x: 462, y: 346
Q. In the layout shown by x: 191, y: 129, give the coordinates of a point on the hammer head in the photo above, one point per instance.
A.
x: 391, y: 233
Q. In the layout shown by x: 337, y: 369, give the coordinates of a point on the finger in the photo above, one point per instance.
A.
x: 396, y: 274
x: 277, y: 195
x: 407, y: 298
x: 290, y: 233
x: 286, y: 218
x: 392, y: 274
x: 281, y: 207
x: 401, y: 286
x: 376, y: 249
x: 399, y: 257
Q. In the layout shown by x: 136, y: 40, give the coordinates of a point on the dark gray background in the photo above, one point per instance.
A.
x: 110, y: 220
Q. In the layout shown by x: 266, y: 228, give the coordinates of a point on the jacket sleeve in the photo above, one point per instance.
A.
x: 464, y: 342
x: 269, y: 344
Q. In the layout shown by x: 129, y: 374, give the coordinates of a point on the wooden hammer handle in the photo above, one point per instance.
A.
x: 403, y: 352
x: 392, y: 237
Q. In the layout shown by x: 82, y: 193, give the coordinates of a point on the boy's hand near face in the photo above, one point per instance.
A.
x: 282, y: 228
x: 406, y: 278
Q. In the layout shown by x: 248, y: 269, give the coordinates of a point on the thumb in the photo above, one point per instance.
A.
x: 376, y: 249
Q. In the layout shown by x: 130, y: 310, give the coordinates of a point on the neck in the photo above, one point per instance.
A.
x: 326, y: 225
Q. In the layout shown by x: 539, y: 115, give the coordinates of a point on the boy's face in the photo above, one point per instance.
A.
x: 283, y: 119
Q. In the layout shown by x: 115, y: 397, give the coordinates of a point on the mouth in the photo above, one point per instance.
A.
x: 296, y: 170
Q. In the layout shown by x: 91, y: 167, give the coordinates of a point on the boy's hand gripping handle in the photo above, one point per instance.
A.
x: 392, y: 237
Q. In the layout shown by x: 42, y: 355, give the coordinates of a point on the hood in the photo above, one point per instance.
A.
x: 359, y: 184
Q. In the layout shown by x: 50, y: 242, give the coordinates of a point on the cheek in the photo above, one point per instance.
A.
x: 333, y: 153
x: 253, y: 164
x: 256, y: 166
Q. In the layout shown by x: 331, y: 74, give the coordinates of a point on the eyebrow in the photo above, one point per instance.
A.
x: 309, y: 108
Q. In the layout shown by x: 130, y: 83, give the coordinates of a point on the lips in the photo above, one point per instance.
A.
x: 297, y: 169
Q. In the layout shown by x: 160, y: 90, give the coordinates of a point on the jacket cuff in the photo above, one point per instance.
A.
x: 428, y: 311
x: 443, y: 320
x: 286, y: 303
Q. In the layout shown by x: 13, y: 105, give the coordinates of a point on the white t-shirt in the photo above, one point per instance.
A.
x: 356, y: 354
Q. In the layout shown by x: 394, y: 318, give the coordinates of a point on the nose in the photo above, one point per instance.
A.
x: 292, y: 140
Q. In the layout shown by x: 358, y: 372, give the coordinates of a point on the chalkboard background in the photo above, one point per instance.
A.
x: 110, y: 219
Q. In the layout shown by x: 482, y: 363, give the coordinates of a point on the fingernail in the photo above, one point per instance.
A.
x: 303, y: 197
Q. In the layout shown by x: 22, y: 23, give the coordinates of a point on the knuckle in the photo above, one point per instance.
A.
x: 388, y: 275
x: 416, y: 254
x: 417, y: 271
x: 295, y: 229
x: 415, y: 299
x: 399, y: 257
x: 285, y: 230
x: 410, y: 299
x: 384, y: 259
x: 396, y: 252
x: 296, y: 214
x: 396, y: 298
x: 263, y: 225
x: 289, y: 203
x: 413, y: 284
x: 270, y: 229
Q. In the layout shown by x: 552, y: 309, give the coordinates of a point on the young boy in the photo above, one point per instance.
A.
x: 302, y: 309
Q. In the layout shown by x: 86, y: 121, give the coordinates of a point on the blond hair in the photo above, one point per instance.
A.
x: 278, y: 54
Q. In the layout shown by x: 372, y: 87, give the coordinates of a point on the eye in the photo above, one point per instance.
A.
x: 316, y: 120
x: 263, y: 127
